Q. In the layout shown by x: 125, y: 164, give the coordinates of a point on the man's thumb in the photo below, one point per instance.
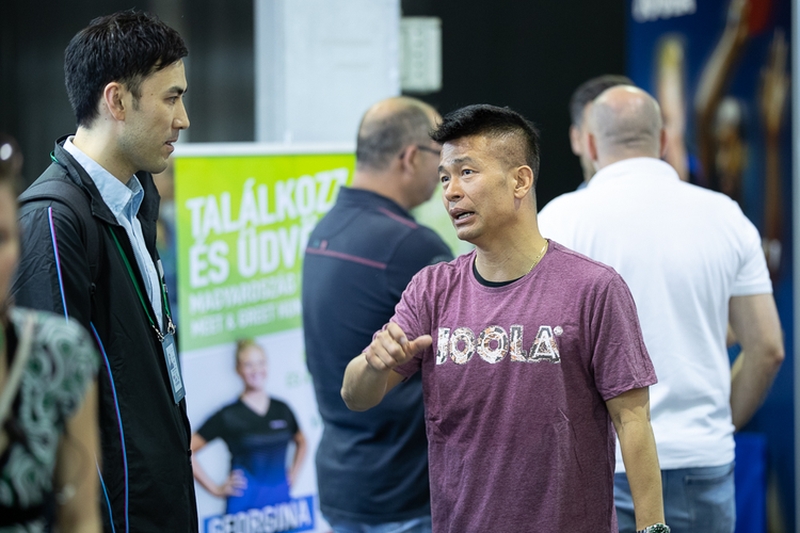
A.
x: 420, y: 343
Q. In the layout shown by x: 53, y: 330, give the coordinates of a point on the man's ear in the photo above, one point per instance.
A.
x: 575, y: 140
x: 113, y: 99
x: 662, y: 143
x: 408, y: 157
x: 523, y: 181
x: 592, y: 146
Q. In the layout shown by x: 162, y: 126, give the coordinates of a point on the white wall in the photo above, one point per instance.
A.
x: 320, y: 64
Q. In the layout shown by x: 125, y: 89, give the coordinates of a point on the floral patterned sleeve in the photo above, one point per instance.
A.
x: 62, y: 363
x: 74, y: 357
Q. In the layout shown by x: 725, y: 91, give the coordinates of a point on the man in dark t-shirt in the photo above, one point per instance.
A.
x: 372, y: 468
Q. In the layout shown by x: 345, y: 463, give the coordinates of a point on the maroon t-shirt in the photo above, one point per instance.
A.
x: 515, y: 385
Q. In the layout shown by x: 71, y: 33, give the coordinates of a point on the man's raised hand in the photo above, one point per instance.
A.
x: 391, y: 348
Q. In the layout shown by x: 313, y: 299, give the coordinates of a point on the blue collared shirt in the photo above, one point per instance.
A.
x: 124, y: 202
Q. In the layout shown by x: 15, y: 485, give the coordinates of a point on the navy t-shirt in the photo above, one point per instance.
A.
x: 372, y: 467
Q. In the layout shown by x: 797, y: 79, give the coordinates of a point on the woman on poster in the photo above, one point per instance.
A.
x: 257, y: 430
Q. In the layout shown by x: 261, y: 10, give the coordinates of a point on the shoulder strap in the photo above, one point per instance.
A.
x: 71, y: 195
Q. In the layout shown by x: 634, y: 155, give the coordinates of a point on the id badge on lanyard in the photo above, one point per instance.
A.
x: 173, y: 367
x: 167, y: 339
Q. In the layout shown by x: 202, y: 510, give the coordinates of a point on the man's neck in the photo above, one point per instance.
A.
x: 100, y: 148
x: 607, y: 160
x: 510, y: 260
x: 383, y: 184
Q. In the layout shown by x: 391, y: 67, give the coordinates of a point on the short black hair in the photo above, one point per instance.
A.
x: 125, y: 47
x: 591, y: 89
x: 379, y: 141
x: 492, y: 121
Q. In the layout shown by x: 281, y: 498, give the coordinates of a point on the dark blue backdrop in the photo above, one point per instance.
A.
x: 699, y: 30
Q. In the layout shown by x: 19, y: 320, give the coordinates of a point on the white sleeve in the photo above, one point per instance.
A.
x: 753, y: 276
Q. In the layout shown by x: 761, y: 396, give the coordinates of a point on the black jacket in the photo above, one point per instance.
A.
x: 146, y: 460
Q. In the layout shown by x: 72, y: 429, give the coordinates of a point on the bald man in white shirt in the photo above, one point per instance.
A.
x: 693, y: 262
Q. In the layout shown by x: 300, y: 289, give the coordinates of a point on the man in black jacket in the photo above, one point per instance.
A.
x: 125, y: 80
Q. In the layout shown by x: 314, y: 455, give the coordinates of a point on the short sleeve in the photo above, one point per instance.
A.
x: 291, y: 420
x: 410, y: 315
x: 620, y: 361
x: 214, y: 427
x: 753, y: 275
x: 72, y: 362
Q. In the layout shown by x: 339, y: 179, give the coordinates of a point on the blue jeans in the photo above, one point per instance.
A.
x: 695, y: 500
x: 415, y: 525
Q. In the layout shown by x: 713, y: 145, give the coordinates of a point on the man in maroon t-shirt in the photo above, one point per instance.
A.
x: 538, y: 356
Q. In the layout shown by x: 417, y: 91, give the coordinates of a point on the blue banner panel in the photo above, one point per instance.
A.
x: 284, y: 517
x: 720, y: 70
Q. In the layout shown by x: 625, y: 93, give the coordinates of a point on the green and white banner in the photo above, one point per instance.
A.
x: 243, y: 222
x: 243, y: 216
x: 244, y: 213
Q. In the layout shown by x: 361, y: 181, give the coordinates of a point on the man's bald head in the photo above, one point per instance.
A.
x: 625, y: 122
x: 391, y: 125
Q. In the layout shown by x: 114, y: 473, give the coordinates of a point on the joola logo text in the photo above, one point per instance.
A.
x: 494, y: 343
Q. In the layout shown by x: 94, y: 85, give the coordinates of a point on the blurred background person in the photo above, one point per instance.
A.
x: 372, y: 468
x: 257, y: 430
x: 693, y: 263
x: 580, y: 104
x: 48, y: 399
